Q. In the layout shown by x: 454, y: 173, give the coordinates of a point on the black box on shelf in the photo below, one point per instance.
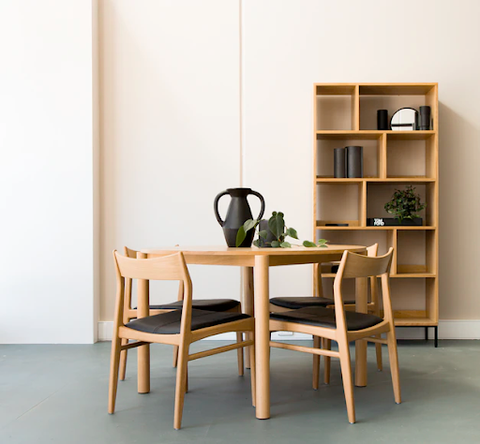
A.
x: 393, y: 222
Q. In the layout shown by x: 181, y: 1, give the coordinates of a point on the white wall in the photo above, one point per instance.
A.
x: 288, y: 46
x: 46, y: 172
x: 170, y: 131
x: 149, y: 51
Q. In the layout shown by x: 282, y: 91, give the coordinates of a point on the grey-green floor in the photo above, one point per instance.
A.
x: 58, y: 394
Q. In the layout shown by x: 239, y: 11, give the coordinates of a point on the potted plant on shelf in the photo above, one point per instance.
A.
x: 272, y: 233
x: 405, y: 206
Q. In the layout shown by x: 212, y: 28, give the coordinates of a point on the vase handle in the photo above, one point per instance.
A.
x: 215, y: 207
x: 262, y: 202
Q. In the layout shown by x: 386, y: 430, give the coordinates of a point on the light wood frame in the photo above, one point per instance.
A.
x: 171, y: 267
x: 373, y: 307
x: 351, y: 266
x: 130, y: 313
x: 346, y: 130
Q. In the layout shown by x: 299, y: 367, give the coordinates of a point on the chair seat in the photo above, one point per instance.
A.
x: 169, y: 323
x: 295, y: 302
x: 325, y: 317
x: 201, y: 304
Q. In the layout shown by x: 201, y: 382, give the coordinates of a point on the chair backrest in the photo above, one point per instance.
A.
x: 129, y: 252
x: 171, y: 268
x: 355, y: 265
x: 372, y: 251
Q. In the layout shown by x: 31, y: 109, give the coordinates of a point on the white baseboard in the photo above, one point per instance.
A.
x: 447, y: 329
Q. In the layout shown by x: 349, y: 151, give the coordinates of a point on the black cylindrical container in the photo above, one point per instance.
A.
x: 339, y: 162
x: 425, y: 113
x: 354, y: 161
x: 382, y: 119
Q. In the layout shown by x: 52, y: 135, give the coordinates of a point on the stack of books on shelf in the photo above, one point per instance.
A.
x: 348, y: 162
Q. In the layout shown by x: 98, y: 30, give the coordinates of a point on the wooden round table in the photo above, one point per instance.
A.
x: 255, y: 263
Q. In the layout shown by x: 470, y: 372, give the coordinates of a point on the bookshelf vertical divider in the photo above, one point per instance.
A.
x: 346, y: 114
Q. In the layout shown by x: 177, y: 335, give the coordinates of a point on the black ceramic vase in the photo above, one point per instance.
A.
x: 237, y: 214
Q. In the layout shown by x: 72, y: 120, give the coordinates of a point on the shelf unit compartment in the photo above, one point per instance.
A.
x: 384, y: 238
x: 374, y: 162
x: 414, y: 253
x: 336, y: 107
x: 392, y: 98
x: 340, y: 203
x: 413, y: 301
x: 378, y: 194
x: 411, y: 157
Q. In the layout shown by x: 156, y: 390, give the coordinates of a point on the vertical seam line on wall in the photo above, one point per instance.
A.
x: 240, y: 115
x: 240, y: 44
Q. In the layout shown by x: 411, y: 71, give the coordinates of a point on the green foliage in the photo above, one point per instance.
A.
x: 405, y: 204
x: 276, y: 225
x: 322, y: 242
x: 242, y: 231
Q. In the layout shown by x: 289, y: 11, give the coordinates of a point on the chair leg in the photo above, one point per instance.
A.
x: 347, y: 379
x: 326, y: 345
x: 378, y: 351
x: 316, y: 364
x: 175, y: 355
x: 240, y: 354
x: 393, y: 357
x: 253, y: 373
x: 114, y: 363
x: 180, y: 385
x: 123, y: 361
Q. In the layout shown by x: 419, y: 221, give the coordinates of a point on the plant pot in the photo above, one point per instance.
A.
x: 393, y: 222
x: 265, y: 243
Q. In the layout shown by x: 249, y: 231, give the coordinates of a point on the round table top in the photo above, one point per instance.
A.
x: 255, y: 251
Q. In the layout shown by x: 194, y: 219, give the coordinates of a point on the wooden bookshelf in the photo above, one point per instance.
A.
x: 345, y: 114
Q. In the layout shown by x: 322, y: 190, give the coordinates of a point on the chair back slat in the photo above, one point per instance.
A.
x: 171, y: 267
x: 357, y: 266
x: 129, y: 252
x: 372, y: 250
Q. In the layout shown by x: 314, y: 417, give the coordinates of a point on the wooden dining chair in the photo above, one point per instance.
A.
x: 221, y: 305
x: 345, y: 326
x: 280, y: 304
x: 373, y: 307
x: 178, y: 327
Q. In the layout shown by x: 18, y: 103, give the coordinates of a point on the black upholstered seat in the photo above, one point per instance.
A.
x: 169, y: 323
x: 295, y: 302
x: 325, y: 317
x: 201, y: 304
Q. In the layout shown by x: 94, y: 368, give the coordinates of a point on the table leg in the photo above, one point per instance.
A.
x: 262, y: 336
x: 143, y: 352
x: 247, y: 302
x: 361, y: 289
x: 317, y: 269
